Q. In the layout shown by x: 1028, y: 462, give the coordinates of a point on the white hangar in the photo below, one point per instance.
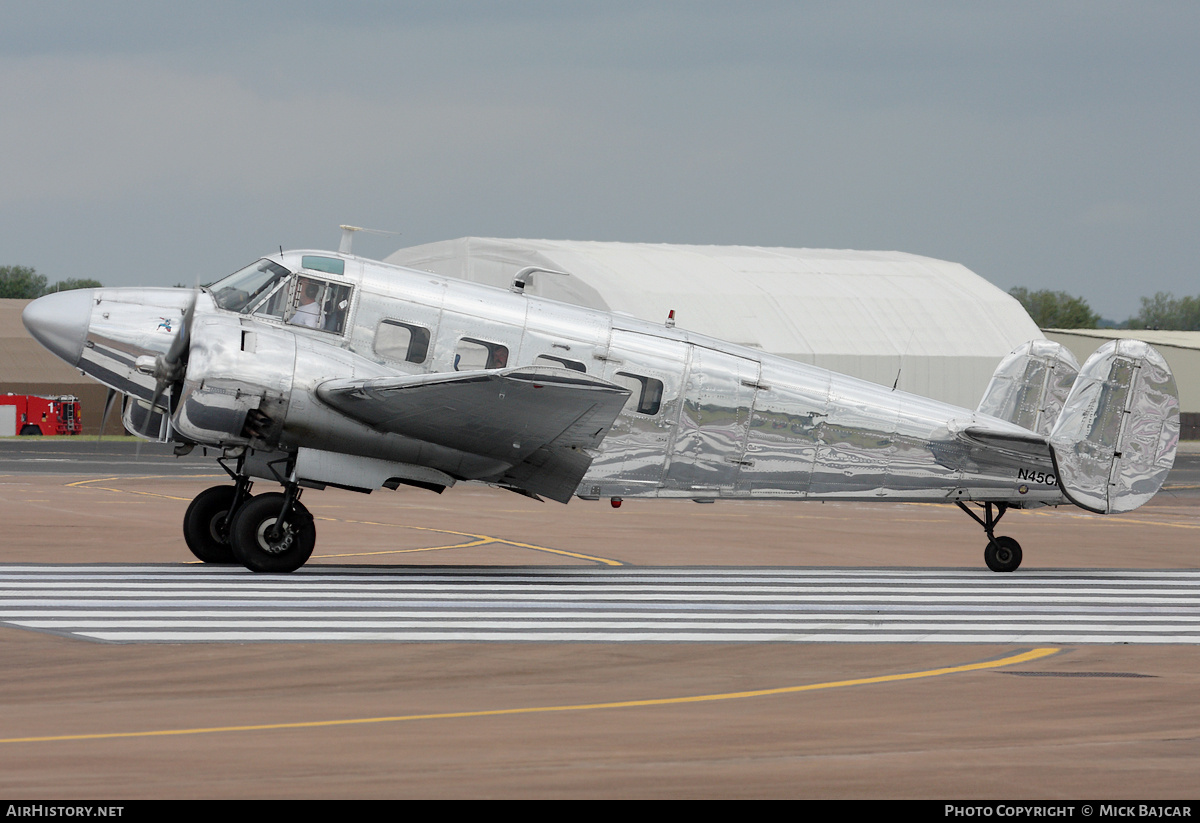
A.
x: 871, y: 314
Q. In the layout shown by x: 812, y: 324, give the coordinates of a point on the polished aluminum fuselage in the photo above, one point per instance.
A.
x: 733, y: 422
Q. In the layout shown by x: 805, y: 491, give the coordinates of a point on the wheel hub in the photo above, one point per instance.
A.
x: 218, y: 528
x: 275, y: 540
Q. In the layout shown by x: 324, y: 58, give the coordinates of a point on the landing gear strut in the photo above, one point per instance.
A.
x: 1003, y: 554
x: 269, y: 533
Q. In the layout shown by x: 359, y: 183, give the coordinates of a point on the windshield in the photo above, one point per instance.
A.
x: 240, y: 290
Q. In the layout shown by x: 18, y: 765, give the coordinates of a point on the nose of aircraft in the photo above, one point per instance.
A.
x: 60, y: 321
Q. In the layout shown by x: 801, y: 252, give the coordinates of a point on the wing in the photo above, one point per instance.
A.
x: 536, y: 420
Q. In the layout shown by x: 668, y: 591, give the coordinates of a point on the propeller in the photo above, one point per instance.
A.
x: 169, y: 368
x: 108, y: 402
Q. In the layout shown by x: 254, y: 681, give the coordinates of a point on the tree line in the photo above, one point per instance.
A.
x: 24, y: 283
x: 1059, y: 310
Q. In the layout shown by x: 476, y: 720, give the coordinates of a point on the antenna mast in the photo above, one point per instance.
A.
x: 348, y: 236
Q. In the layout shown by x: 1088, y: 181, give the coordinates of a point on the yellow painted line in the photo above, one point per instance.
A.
x: 88, y: 482
x: 607, y: 561
x: 411, y: 551
x: 1080, y: 514
x: 144, y: 494
x: 78, y: 483
x: 91, y: 480
x: 476, y: 539
x: 1108, y: 518
x: 1023, y: 657
x: 483, y: 538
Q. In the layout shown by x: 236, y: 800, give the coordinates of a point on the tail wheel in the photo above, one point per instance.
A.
x: 262, y: 542
x: 204, y: 525
x: 1003, y: 554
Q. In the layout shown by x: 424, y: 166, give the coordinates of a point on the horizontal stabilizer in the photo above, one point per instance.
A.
x: 537, y: 420
x: 1114, y: 441
x: 1030, y: 385
x: 1025, y: 445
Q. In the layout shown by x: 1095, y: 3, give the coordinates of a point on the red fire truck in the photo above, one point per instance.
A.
x: 32, y: 414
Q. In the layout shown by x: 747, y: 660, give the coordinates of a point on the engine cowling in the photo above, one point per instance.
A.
x: 238, y: 383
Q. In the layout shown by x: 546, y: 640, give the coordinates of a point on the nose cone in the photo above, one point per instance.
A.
x: 60, y: 321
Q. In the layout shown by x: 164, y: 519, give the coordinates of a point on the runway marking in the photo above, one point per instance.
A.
x: 463, y: 604
x: 1108, y: 518
x: 477, y: 539
x: 467, y: 545
x: 88, y: 482
x: 1068, y: 511
x: 1011, y: 660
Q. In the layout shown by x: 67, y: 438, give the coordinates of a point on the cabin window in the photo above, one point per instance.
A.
x: 329, y: 265
x: 319, y: 304
x: 474, y: 355
x: 647, y: 392
x: 402, y: 341
x: 550, y: 360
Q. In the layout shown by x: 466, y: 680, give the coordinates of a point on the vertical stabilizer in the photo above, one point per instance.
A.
x: 1114, y: 442
x: 1030, y: 385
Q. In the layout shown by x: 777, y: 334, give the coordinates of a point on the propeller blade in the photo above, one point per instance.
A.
x: 169, y: 368
x: 179, y: 345
x: 108, y: 401
x: 158, y: 393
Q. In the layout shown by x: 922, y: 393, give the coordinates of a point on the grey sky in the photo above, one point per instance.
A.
x: 1050, y: 145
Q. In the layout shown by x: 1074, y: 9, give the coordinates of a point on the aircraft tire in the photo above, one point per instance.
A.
x: 1003, y: 554
x: 202, y: 525
x: 254, y: 549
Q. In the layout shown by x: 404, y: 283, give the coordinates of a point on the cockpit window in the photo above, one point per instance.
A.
x: 240, y: 290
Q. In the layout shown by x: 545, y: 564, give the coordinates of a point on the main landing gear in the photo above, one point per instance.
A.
x: 272, y: 532
x: 1003, y: 554
x: 207, y: 521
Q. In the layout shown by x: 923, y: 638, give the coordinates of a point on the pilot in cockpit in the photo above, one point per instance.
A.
x: 308, y: 313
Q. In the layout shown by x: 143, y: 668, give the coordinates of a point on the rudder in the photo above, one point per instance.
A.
x: 1030, y: 385
x: 1114, y: 441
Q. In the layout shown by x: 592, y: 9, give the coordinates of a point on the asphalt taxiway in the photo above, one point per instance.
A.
x: 244, y: 717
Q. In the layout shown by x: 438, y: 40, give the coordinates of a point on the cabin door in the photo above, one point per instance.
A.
x: 710, y: 443
x: 635, y: 451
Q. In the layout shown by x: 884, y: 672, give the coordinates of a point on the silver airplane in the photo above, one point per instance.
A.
x: 312, y: 369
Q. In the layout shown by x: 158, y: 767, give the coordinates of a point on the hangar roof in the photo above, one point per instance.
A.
x: 1155, y: 337
x: 867, y: 313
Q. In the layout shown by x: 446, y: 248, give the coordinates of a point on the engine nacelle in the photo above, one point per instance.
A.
x: 238, y: 383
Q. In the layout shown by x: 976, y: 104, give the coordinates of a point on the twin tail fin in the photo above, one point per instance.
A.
x: 1111, y: 426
